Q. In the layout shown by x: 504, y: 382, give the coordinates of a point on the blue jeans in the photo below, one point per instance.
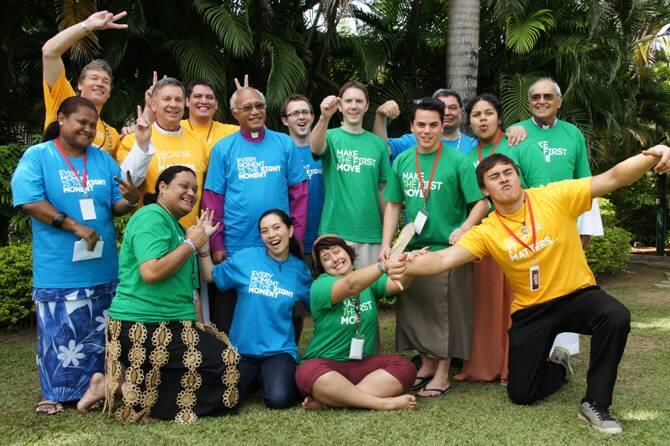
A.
x: 277, y: 376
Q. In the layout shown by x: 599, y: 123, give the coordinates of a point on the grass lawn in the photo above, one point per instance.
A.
x: 470, y: 414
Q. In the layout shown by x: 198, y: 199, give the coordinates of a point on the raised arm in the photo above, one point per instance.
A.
x: 388, y: 110
x: 54, y: 48
x: 317, y: 139
x: 355, y: 282
x: 431, y: 263
x: 629, y: 170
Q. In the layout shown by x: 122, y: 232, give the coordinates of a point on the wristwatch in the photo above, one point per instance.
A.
x: 58, y: 220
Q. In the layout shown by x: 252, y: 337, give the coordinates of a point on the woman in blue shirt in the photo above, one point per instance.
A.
x: 270, y: 282
x: 69, y: 188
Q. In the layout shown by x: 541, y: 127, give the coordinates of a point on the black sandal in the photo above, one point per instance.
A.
x: 423, y: 380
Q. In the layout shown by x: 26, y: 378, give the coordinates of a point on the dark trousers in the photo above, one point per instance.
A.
x: 589, y: 311
x: 276, y: 375
x: 221, y: 307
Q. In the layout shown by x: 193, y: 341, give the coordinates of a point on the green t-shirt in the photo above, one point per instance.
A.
x: 531, y: 165
x: 152, y: 233
x: 335, y: 325
x: 563, y: 148
x: 448, y: 199
x: 353, y: 167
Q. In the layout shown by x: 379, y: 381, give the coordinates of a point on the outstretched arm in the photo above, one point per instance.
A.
x: 317, y: 139
x: 629, y: 170
x: 431, y: 263
x: 53, y: 49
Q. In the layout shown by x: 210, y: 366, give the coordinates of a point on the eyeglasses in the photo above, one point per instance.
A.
x: 298, y: 113
x: 546, y: 96
x: 260, y: 106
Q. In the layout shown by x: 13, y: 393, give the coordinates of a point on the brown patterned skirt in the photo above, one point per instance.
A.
x: 173, y: 370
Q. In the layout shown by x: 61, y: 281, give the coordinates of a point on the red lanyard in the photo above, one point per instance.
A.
x: 426, y: 193
x: 67, y: 160
x: 495, y: 146
x: 532, y: 225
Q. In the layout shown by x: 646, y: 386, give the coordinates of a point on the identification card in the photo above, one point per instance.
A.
x: 82, y: 253
x: 420, y: 220
x: 87, y: 209
x: 356, y: 349
x: 534, y: 277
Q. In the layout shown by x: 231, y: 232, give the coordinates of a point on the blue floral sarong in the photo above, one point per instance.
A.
x: 70, y: 338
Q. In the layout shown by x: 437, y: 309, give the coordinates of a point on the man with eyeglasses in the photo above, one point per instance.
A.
x: 297, y: 115
x: 202, y: 105
x: 251, y: 171
x: 355, y: 167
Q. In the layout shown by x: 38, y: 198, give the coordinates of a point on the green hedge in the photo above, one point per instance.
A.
x: 16, y: 282
x: 609, y: 254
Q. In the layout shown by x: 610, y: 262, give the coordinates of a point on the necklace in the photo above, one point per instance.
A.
x: 211, y: 124
x: 524, y: 228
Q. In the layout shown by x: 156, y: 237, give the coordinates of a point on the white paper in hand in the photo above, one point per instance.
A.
x: 82, y: 253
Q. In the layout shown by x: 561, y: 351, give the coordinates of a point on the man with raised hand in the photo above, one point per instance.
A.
x: 434, y: 316
x: 171, y: 144
x: 297, y: 115
x: 251, y: 171
x: 95, y: 79
x: 355, y: 167
x: 533, y: 236
x: 202, y: 105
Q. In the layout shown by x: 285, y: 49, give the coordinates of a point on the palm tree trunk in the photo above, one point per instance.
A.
x: 463, y: 46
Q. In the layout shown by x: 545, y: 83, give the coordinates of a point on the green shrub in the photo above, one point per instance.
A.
x: 609, y: 254
x: 16, y: 283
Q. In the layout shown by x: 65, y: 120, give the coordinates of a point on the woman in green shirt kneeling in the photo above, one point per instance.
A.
x: 175, y: 367
x: 340, y: 368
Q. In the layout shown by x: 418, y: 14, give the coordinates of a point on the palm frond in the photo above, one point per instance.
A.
x: 522, y: 35
x: 514, y: 96
x: 199, y: 60
x: 287, y: 74
x: 232, y: 30
x: 71, y: 12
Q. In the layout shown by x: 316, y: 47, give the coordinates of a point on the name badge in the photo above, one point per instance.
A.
x: 87, y: 209
x: 356, y: 349
x: 420, y: 220
x: 534, y: 273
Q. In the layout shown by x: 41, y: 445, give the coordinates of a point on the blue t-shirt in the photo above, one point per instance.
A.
x: 43, y: 175
x: 315, y: 199
x: 463, y: 144
x: 267, y: 290
x: 253, y: 177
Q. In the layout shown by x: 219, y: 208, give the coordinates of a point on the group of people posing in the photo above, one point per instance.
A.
x: 205, y: 300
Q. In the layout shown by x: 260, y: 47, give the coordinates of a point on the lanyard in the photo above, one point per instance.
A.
x: 357, y: 306
x: 495, y: 146
x: 426, y: 192
x: 532, y: 225
x: 67, y: 160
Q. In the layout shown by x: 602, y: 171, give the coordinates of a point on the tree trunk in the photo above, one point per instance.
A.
x: 463, y: 46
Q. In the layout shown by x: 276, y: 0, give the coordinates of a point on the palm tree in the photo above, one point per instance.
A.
x: 463, y: 46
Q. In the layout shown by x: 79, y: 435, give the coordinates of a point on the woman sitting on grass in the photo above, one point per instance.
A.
x: 340, y: 367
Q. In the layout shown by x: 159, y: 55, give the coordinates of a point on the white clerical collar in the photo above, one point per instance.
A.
x: 544, y: 126
x: 167, y: 132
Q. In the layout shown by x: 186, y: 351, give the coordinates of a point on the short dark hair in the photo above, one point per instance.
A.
x: 166, y: 177
x: 67, y: 107
x: 164, y: 83
x: 294, y: 98
x: 426, y: 104
x: 354, y: 84
x: 195, y: 82
x: 325, y: 242
x: 445, y: 93
x: 293, y: 244
x: 96, y: 65
x: 486, y: 97
x: 489, y: 163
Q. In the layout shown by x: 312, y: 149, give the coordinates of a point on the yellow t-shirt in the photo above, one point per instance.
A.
x: 211, y: 135
x: 106, y: 136
x: 172, y: 148
x: 561, y: 259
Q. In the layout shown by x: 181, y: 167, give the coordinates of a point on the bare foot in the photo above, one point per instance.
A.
x: 311, y: 404
x: 94, y: 393
x: 400, y: 402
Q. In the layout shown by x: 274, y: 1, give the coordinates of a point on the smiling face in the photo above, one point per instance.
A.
x: 275, y: 235
x: 168, y: 104
x: 202, y: 104
x: 299, y: 118
x: 452, y: 113
x: 96, y: 87
x: 427, y: 129
x: 77, y: 130
x: 484, y: 121
x: 335, y: 261
x: 353, y: 106
x: 544, y: 101
x: 249, y: 110
x: 502, y: 184
x: 180, y: 195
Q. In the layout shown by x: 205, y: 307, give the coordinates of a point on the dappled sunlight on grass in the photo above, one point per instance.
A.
x: 640, y: 415
x: 662, y: 324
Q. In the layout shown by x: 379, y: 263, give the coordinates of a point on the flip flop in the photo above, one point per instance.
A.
x: 48, y: 407
x: 423, y: 380
x: 440, y: 392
